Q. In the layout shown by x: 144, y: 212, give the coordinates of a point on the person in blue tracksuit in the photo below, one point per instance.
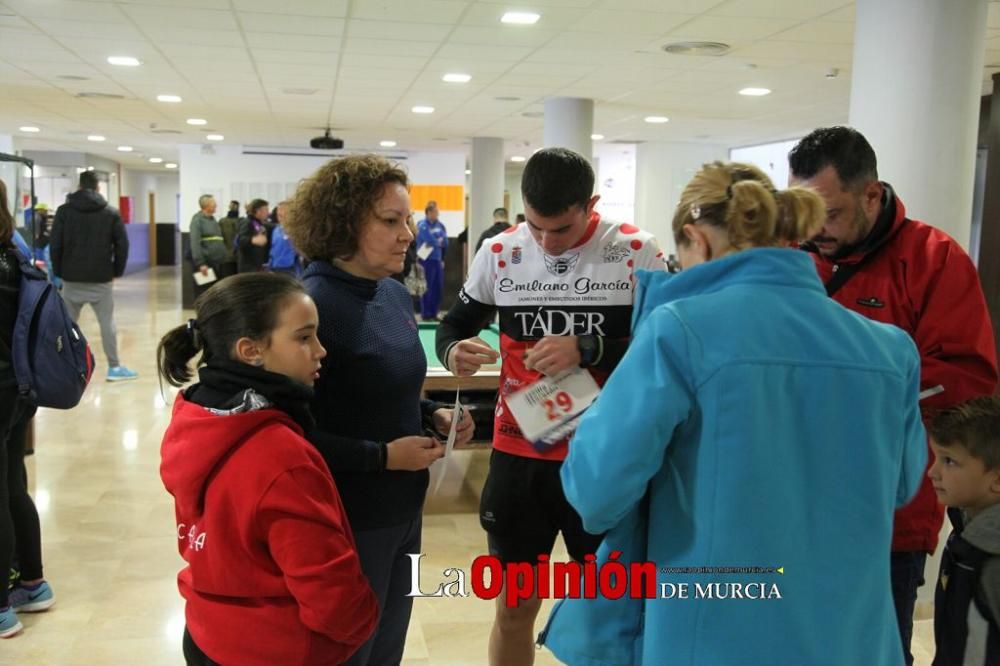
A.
x: 432, y: 233
x: 753, y: 422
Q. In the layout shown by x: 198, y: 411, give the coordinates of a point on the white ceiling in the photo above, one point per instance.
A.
x: 369, y: 61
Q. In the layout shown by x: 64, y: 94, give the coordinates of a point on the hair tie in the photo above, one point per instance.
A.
x: 192, y: 331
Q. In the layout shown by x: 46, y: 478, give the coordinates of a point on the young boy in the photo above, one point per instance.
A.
x: 966, y: 476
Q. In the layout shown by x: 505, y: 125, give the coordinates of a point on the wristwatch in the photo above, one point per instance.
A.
x: 589, y: 347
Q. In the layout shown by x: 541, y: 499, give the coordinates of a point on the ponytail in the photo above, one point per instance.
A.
x: 801, y: 213
x: 174, y: 354
x: 751, y: 214
x: 740, y: 200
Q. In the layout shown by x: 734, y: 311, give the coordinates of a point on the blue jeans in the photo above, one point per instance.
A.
x: 907, y: 572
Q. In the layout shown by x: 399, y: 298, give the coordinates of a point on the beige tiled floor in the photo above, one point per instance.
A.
x: 107, y: 523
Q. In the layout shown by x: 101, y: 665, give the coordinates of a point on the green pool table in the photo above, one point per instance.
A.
x: 440, y: 379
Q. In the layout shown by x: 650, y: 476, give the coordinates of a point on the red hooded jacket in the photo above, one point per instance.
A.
x: 273, y: 575
x: 921, y: 280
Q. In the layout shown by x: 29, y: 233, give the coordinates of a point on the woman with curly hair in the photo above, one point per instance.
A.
x: 349, y: 221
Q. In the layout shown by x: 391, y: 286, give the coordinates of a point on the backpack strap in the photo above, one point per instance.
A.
x: 28, y: 267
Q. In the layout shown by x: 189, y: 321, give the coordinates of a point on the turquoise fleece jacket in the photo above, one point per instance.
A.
x: 765, y: 426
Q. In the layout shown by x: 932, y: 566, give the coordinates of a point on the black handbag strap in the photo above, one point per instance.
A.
x: 841, y: 274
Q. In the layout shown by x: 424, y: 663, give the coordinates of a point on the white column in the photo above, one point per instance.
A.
x: 915, y: 89
x: 662, y: 171
x: 486, y: 186
x: 569, y: 122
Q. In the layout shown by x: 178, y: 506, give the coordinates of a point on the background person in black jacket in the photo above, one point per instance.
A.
x: 500, y: 225
x: 89, y: 249
x: 254, y: 238
x: 19, y: 526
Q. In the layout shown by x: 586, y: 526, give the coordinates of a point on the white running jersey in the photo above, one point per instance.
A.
x: 585, y: 291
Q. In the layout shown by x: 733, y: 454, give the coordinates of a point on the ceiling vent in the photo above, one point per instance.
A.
x: 696, y: 48
x: 99, y: 95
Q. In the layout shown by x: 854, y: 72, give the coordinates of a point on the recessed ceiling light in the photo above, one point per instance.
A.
x: 423, y: 109
x: 507, y: 98
x: 124, y: 149
x: 72, y: 77
x: 29, y: 128
x: 755, y: 92
x: 656, y: 120
x: 155, y: 160
x: 518, y: 158
x: 197, y: 121
x: 533, y: 114
x: 164, y: 130
x: 90, y: 168
x: 468, y: 172
x: 387, y: 144
x: 95, y: 137
x: 456, y: 78
x: 596, y: 137
x: 215, y: 137
x: 520, y: 18
x: 124, y: 61
x: 170, y: 165
x: 172, y: 99
x: 696, y: 48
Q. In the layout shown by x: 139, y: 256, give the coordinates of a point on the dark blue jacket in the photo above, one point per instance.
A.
x: 368, y: 393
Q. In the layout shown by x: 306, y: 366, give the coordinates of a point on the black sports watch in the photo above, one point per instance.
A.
x: 590, y: 348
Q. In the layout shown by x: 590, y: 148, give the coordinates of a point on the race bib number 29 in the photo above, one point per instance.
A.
x: 545, y: 409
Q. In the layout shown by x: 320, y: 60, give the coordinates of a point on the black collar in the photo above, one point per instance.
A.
x: 223, y: 384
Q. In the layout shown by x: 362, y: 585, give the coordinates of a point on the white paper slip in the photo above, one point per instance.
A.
x: 456, y: 418
x: 424, y: 251
x: 200, y: 279
x: 550, y: 404
x: 931, y: 392
x: 441, y: 466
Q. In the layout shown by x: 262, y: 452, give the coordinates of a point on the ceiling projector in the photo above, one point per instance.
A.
x: 326, y: 142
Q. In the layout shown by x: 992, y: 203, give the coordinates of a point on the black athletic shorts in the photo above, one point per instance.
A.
x: 523, y: 509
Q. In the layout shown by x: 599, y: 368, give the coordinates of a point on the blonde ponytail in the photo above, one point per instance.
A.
x: 751, y: 215
x: 801, y: 213
x: 740, y: 200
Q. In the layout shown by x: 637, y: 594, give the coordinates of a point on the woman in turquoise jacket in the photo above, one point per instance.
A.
x: 754, y: 424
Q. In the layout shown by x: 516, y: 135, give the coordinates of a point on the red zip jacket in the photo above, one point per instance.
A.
x: 273, y: 575
x: 922, y: 281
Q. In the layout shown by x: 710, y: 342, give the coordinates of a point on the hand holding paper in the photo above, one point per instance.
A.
x: 204, y: 277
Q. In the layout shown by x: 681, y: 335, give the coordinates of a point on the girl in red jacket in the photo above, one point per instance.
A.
x: 272, y: 573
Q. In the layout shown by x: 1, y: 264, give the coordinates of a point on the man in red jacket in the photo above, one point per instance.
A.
x: 881, y: 264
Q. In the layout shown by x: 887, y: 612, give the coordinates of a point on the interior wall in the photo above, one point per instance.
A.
x: 228, y: 174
